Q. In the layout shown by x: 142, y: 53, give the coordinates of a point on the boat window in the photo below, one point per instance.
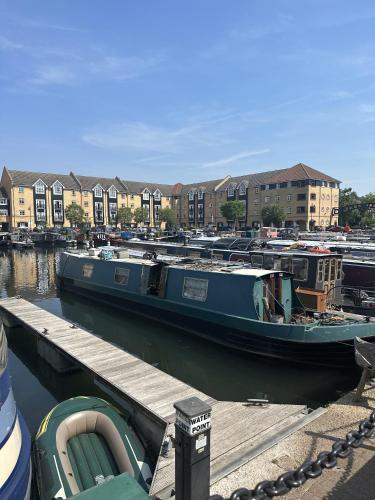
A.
x: 326, y: 269
x: 195, y: 289
x: 320, y: 270
x: 257, y: 260
x: 268, y: 262
x: 339, y: 269
x: 286, y: 264
x: 239, y: 245
x: 87, y: 270
x: 300, y: 267
x: 121, y: 276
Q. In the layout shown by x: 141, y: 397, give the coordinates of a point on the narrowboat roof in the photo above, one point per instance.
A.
x: 295, y: 253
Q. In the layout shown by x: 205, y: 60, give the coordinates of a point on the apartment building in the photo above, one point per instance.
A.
x: 36, y: 199
x: 29, y: 199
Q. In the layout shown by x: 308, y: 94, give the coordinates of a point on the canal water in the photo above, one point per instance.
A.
x: 215, y: 370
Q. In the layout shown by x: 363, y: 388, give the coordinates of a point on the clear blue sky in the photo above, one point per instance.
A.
x: 173, y: 90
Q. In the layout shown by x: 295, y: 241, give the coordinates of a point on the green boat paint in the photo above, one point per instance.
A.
x: 87, y: 456
x: 231, y: 311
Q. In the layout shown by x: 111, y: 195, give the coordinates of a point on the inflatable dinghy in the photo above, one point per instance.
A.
x: 85, y: 448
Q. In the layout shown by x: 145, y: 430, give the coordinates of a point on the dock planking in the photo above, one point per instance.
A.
x: 239, y: 431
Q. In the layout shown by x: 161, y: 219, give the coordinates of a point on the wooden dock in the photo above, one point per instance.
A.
x: 239, y: 431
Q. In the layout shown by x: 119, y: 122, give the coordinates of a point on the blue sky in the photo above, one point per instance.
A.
x: 169, y: 91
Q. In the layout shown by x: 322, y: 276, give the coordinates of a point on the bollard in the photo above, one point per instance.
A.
x: 192, y: 462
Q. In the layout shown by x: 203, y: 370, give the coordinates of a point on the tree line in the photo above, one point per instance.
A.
x: 75, y: 214
x: 358, y: 217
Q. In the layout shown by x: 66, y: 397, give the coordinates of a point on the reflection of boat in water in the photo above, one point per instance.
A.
x: 15, y: 466
x: 251, y: 310
x: 85, y: 448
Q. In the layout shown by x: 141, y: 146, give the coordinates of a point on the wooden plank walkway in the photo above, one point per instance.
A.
x: 239, y: 432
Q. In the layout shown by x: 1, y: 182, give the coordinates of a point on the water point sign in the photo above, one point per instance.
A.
x: 193, y: 425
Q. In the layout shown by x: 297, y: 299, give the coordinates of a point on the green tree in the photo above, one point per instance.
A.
x: 232, y: 211
x: 273, y: 215
x: 124, y: 216
x: 141, y: 215
x: 168, y: 216
x: 75, y: 214
x: 352, y: 217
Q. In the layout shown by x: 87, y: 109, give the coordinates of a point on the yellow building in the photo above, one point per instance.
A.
x: 29, y: 199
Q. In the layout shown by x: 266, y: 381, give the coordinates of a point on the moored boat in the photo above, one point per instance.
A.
x: 15, y: 466
x: 252, y: 310
x: 85, y: 448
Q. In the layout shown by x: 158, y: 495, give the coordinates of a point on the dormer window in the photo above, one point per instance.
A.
x: 98, y: 191
x: 40, y: 187
x: 146, y: 194
x: 191, y: 195
x: 157, y: 195
x: 112, y: 192
x: 231, y: 190
x: 200, y: 194
x: 57, y: 188
x: 242, y: 189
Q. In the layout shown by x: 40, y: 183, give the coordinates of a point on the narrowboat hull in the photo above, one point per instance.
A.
x: 326, y: 346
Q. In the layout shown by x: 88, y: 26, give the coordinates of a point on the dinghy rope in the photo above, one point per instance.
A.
x: 309, y: 469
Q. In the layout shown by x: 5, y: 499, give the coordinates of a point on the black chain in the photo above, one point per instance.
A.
x: 308, y: 470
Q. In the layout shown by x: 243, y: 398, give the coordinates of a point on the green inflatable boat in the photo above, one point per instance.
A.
x: 84, y: 448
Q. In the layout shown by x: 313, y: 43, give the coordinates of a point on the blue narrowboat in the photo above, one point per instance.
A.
x: 252, y: 310
x: 15, y: 465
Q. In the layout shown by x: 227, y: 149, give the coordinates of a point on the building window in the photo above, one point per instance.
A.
x: 21, y: 212
x: 21, y: 201
x: 121, y: 276
x: 146, y: 207
x: 312, y: 196
x: 231, y: 190
x: 283, y: 185
x: 85, y: 193
x: 3, y: 211
x: 289, y: 197
x: 157, y: 195
x: 86, y: 214
x: 289, y: 210
x: 113, y: 211
x: 132, y: 196
x: 132, y: 205
x: 40, y: 188
x: 73, y: 193
x: 146, y: 194
x: 277, y: 198
x: 266, y: 199
x: 57, y: 188
x: 256, y: 201
x: 200, y: 212
x: 301, y: 210
x: 257, y: 190
x: 312, y: 209
x: 85, y: 203
x: 301, y: 196
x: 3, y: 201
x: 123, y: 196
x: 242, y: 190
x: 157, y: 215
x: 195, y: 289
x: 200, y: 195
x: 123, y: 205
x: 191, y: 195
x: 98, y: 192
x: 21, y: 189
x: 99, y: 211
x: 58, y: 211
x: 112, y: 192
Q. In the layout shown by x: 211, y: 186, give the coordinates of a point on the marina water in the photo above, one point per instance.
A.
x: 220, y: 372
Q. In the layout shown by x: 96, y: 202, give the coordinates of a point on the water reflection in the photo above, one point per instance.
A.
x: 218, y: 371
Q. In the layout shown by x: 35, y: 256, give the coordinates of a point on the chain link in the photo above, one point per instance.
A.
x: 308, y: 470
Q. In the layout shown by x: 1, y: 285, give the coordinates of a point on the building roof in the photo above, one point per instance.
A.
x: 252, y: 180
x: 28, y: 179
x: 204, y: 185
x: 300, y: 172
x: 3, y: 193
x: 88, y: 182
x: 137, y: 187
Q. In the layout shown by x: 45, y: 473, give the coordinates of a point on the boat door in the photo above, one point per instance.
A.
x: 329, y: 274
x: 286, y: 297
